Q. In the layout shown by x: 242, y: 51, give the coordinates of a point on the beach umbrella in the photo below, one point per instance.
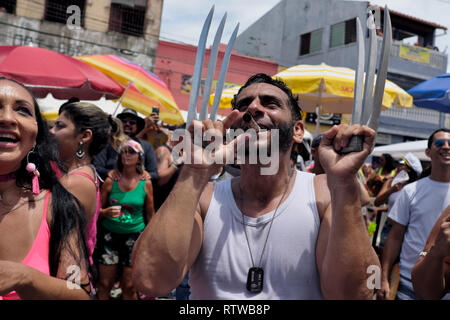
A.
x: 398, y: 150
x: 140, y: 84
x: 44, y: 71
x: 433, y: 93
x: 131, y: 98
x: 49, y: 106
x: 330, y: 88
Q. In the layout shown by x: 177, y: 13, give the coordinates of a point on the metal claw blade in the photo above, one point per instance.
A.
x: 382, y: 71
x: 211, y: 70
x: 356, y: 142
x: 359, y: 74
x: 223, y: 72
x: 192, y: 110
x: 367, y: 104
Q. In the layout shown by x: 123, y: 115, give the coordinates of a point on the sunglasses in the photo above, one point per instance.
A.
x: 129, y: 151
x: 130, y: 121
x: 440, y: 142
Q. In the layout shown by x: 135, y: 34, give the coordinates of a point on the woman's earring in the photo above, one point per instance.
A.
x: 31, y: 167
x: 80, y: 153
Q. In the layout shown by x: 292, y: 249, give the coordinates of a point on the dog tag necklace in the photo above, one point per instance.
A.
x: 255, y: 277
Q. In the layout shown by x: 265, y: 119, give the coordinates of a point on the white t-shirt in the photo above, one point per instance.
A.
x: 418, y: 207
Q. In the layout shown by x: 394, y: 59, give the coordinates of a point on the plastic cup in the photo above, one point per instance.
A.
x: 117, y: 209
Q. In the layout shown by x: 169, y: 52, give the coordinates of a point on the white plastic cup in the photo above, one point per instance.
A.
x: 116, y: 210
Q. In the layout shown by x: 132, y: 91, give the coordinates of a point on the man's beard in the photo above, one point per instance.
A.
x: 285, y: 134
x: 129, y: 132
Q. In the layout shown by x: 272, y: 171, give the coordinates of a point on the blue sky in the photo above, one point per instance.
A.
x: 182, y: 20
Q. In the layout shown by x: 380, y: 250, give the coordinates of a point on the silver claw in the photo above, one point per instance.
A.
x: 359, y: 75
x: 223, y: 72
x: 211, y: 70
x: 196, y: 79
x: 370, y: 107
x: 370, y: 75
x: 382, y: 71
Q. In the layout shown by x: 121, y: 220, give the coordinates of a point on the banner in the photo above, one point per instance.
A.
x: 417, y: 54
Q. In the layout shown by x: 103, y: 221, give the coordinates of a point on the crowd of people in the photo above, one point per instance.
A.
x: 99, y: 202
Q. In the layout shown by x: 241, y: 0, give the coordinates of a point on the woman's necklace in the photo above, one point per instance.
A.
x: 255, y: 276
x: 79, y: 167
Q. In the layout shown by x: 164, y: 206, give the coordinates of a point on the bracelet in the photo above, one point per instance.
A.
x: 423, y: 254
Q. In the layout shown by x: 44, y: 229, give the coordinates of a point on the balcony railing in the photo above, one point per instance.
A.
x: 419, y: 116
x: 432, y: 58
x: 413, y: 114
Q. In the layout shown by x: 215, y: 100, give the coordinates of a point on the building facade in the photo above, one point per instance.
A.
x: 127, y: 28
x: 175, y: 66
x: 311, y: 32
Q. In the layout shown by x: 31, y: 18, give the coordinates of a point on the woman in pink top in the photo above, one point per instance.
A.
x: 42, y: 246
x: 82, y: 130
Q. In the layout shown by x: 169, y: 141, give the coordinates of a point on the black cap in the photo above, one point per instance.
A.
x: 128, y: 112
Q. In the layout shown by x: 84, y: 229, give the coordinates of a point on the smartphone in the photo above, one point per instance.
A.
x: 155, y: 110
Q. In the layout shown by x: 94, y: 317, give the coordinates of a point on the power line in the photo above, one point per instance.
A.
x: 154, y: 56
x: 39, y: 5
x: 92, y: 17
x: 121, y: 50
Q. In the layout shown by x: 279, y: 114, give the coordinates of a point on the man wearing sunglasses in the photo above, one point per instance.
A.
x: 414, y: 214
x: 132, y: 124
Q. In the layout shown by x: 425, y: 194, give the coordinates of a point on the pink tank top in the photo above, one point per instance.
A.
x: 37, y: 257
x: 91, y: 230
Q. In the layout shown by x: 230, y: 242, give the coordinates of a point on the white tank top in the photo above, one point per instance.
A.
x: 289, y: 261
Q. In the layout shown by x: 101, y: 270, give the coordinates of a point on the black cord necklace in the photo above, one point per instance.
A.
x: 255, y: 276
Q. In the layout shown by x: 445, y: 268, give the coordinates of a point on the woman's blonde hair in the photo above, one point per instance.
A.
x: 118, y: 137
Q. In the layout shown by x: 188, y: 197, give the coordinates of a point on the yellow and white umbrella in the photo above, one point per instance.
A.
x: 49, y: 107
x: 327, y: 87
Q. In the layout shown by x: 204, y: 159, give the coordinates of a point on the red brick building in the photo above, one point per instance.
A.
x: 175, y: 66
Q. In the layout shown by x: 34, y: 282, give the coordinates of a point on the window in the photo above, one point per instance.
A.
x: 343, y: 33
x: 56, y: 10
x: 8, y: 6
x: 128, y: 17
x: 311, y: 42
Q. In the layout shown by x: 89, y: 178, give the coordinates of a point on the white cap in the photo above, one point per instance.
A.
x: 413, y: 162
